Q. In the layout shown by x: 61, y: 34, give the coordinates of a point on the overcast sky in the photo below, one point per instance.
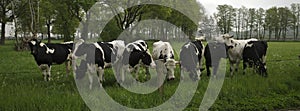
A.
x: 210, y: 5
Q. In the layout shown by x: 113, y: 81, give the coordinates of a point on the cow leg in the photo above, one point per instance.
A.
x: 244, y: 66
x: 49, y: 72
x: 237, y: 65
x: 90, y: 80
x: 200, y: 65
x: 231, y: 68
x: 91, y: 71
x: 136, y: 72
x: 147, y: 72
x: 208, y: 70
x: 44, y: 70
x: 215, y: 69
x: 100, y: 73
x: 182, y: 73
x: 68, y: 67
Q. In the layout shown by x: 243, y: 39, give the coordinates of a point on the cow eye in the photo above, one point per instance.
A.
x: 231, y: 41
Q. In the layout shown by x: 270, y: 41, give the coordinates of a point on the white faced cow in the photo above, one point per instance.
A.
x: 190, y: 59
x: 47, y: 54
x: 135, y: 55
x: 254, y: 54
x: 235, y: 50
x: 99, y: 55
x: 163, y: 55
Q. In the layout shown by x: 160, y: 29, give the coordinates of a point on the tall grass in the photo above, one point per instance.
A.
x: 23, y: 88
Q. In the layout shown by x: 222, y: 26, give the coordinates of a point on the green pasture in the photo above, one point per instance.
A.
x: 22, y: 86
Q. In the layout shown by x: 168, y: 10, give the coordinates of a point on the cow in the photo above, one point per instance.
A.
x: 213, y: 53
x: 191, y: 59
x: 235, y: 51
x: 163, y: 55
x: 99, y: 55
x: 254, y: 54
x: 46, y: 55
x: 135, y: 55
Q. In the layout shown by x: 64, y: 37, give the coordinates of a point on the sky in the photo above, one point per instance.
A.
x: 211, y: 5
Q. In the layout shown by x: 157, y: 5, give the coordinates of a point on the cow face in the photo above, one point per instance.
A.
x: 170, y: 65
x: 262, y: 69
x: 229, y: 41
x: 147, y: 59
x: 34, y: 44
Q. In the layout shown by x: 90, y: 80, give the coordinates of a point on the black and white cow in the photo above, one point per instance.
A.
x: 213, y: 53
x: 163, y: 55
x: 135, y: 55
x: 46, y: 55
x: 254, y: 54
x: 99, y: 55
x: 191, y: 59
x: 235, y: 51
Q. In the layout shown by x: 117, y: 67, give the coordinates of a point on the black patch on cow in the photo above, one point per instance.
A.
x: 252, y: 55
x: 213, y: 53
x: 189, y: 59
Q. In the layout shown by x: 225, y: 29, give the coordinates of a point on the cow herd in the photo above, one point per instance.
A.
x: 130, y: 57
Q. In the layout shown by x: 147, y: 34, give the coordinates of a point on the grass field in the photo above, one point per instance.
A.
x: 22, y: 86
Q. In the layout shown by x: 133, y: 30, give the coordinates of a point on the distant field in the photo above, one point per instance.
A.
x: 22, y: 86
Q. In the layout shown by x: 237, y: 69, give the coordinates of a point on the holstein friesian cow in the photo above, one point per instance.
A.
x: 213, y: 53
x: 135, y: 55
x: 99, y: 55
x: 235, y: 51
x: 46, y: 55
x: 254, y: 54
x: 190, y: 59
x: 163, y: 55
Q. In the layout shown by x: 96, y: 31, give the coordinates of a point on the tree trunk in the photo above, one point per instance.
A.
x: 270, y: 33
x: 297, y: 31
x: 48, y: 33
x: 2, y: 41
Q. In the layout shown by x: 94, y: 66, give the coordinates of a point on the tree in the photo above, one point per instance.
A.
x: 272, y: 20
x: 47, y: 12
x: 69, y: 14
x: 5, y: 16
x: 252, y: 21
x: 295, y: 10
x: 260, y: 15
x: 285, y: 16
x: 226, y: 14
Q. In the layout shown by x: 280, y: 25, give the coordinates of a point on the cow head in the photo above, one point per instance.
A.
x: 229, y: 41
x: 262, y: 69
x: 34, y: 44
x: 147, y: 59
x: 170, y: 65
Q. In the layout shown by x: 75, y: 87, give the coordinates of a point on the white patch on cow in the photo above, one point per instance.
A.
x: 33, y: 42
x: 99, y: 47
x: 120, y: 45
x: 201, y: 38
x: 249, y: 45
x: 69, y: 42
x: 187, y: 45
x: 51, y: 51
x: 42, y: 44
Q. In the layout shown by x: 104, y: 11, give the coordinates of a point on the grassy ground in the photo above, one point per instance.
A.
x: 22, y: 86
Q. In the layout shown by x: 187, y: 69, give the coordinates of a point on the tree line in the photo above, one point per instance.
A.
x: 41, y: 18
x: 276, y: 23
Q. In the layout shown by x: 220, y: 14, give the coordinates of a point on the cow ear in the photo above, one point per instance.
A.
x: 231, y: 36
